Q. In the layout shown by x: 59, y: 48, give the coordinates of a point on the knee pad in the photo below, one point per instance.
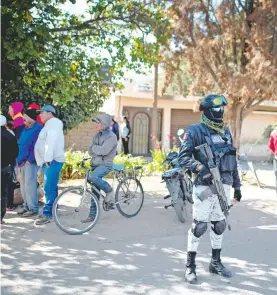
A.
x: 199, y: 228
x: 218, y: 227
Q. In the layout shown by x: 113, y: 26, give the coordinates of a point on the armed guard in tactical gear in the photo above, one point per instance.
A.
x: 208, y: 152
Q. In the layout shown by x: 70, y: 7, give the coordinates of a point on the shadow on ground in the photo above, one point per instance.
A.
x: 143, y: 255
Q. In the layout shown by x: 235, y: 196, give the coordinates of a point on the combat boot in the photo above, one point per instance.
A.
x: 217, y: 267
x: 190, y: 274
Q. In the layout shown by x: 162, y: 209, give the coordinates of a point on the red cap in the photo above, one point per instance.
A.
x: 33, y: 106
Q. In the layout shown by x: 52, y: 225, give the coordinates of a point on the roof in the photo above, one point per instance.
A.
x: 133, y: 93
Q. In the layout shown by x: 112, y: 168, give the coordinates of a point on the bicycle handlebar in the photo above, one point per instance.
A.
x: 81, y: 163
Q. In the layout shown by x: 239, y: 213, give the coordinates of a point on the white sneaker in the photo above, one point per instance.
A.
x: 109, y: 197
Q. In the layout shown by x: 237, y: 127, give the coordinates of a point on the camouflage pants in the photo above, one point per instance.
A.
x: 206, y: 211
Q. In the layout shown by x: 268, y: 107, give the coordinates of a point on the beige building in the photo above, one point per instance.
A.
x: 174, y: 112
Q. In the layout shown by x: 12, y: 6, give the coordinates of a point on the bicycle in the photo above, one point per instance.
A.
x: 72, y: 203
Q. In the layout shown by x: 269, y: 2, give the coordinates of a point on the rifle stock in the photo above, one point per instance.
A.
x: 217, y: 187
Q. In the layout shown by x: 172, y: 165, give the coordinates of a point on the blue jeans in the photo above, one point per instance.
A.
x: 96, y: 178
x: 28, y: 186
x: 51, y: 179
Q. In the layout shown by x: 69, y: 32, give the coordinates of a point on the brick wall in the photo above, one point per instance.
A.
x: 80, y: 137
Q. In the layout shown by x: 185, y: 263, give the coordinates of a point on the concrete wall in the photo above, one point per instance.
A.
x: 254, y: 125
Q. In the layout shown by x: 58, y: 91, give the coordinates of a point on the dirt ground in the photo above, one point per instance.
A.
x: 145, y: 254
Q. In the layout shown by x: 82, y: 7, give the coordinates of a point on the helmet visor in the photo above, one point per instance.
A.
x: 218, y: 109
x: 219, y: 101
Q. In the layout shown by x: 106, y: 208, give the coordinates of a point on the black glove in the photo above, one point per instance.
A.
x: 205, y: 174
x: 237, y: 195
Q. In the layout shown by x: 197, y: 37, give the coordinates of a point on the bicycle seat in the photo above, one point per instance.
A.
x: 118, y: 167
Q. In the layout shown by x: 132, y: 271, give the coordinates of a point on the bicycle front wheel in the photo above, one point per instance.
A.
x: 76, y: 211
x: 129, y: 197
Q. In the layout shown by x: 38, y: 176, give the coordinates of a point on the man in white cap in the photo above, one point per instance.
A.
x: 49, y: 152
x: 9, y: 152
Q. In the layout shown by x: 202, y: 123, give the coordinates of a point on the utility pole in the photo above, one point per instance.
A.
x: 154, y: 126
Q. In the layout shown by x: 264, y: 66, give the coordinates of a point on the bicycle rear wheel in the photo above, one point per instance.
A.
x: 129, y: 197
x: 72, y: 208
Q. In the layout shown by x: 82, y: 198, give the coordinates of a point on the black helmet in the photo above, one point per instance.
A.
x: 213, y: 107
x: 212, y: 101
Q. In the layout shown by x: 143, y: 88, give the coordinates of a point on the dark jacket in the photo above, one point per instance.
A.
x: 18, y: 131
x: 9, y: 148
x: 27, y: 143
x: 189, y: 157
x: 115, y: 129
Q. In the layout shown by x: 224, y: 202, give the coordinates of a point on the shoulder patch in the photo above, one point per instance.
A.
x: 186, y: 136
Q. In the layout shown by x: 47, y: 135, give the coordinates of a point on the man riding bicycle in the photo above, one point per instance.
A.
x: 102, y: 150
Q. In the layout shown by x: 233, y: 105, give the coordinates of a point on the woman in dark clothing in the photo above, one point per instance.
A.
x: 13, y: 183
x: 115, y: 129
x: 9, y: 152
x: 125, y: 134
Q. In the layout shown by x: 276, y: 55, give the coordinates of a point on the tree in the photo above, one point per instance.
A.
x: 154, y: 121
x: 231, y: 48
x: 179, y: 82
x: 74, y: 60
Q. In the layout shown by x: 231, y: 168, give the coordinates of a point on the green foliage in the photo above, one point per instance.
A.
x: 158, y: 156
x: 178, y: 83
x: 72, y: 60
x: 71, y: 170
x: 268, y: 131
x: 157, y: 164
x: 129, y: 161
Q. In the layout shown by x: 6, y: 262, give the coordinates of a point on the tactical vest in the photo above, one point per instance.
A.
x: 223, y: 150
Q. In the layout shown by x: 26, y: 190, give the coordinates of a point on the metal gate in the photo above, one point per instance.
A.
x: 141, y: 134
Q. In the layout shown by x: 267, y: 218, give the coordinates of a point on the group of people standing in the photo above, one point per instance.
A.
x: 31, y: 139
x: 123, y: 132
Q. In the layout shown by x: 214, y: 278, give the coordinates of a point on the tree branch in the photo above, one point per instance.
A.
x: 241, y: 5
x: 248, y: 110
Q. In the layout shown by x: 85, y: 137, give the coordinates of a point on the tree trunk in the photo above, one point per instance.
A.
x: 155, y: 108
x: 235, y: 123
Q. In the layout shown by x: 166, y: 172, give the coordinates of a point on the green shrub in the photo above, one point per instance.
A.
x: 70, y: 168
x: 157, y: 164
x: 129, y: 162
x: 158, y: 156
x: 268, y: 131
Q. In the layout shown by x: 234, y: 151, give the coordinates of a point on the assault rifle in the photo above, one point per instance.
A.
x: 217, y: 186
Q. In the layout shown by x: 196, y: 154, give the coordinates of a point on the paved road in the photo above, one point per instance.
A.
x: 143, y: 255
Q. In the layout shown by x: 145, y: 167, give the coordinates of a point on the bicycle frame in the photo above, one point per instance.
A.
x: 115, y: 177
